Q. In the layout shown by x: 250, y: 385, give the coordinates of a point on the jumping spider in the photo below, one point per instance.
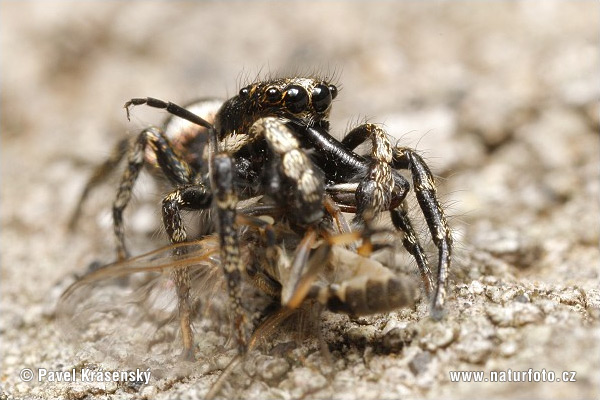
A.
x: 272, y: 141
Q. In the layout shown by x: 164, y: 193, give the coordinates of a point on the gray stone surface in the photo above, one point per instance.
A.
x: 500, y: 98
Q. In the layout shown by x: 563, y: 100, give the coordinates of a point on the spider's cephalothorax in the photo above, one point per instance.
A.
x: 268, y: 156
x: 271, y: 141
x: 306, y: 100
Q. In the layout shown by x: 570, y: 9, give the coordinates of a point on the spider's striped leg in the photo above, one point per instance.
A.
x: 374, y: 192
x: 190, y: 194
x: 174, y: 168
x: 412, y: 245
x: 192, y: 197
x: 297, y: 182
x: 231, y: 262
x: 100, y: 174
x: 380, y: 189
x: 424, y: 186
x: 383, y: 151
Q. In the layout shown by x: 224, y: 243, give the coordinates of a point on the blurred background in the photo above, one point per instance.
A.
x: 501, y: 99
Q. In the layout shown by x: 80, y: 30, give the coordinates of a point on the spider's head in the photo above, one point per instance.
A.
x: 305, y: 99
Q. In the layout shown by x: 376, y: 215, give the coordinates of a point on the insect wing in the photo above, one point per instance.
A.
x: 127, y: 312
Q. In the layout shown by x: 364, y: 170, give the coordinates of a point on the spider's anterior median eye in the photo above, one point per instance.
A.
x: 321, y: 97
x: 296, y: 98
x: 273, y: 95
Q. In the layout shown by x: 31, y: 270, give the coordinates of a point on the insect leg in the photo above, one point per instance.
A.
x: 336, y: 213
x: 424, y: 186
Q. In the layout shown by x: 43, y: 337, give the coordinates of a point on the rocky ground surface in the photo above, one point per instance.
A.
x: 501, y: 99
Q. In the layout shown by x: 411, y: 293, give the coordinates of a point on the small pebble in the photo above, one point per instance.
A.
x: 420, y: 362
x: 271, y: 368
x: 438, y: 336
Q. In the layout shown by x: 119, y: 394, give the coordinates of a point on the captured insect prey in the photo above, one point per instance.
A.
x: 274, y: 189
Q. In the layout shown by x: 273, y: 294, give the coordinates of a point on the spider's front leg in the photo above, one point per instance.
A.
x: 222, y: 172
x: 171, y: 108
x: 295, y: 181
x: 377, y: 184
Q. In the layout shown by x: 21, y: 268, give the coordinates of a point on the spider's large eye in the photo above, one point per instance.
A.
x: 296, y: 98
x: 321, y: 97
x: 244, y: 92
x: 272, y: 94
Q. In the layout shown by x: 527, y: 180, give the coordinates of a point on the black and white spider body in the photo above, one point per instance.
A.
x: 272, y: 140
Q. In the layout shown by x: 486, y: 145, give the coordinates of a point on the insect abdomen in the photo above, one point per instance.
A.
x: 367, y: 296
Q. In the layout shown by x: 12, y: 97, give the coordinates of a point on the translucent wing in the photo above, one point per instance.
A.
x: 127, y: 312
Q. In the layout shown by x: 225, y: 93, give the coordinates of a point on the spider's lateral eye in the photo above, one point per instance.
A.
x: 334, y: 91
x: 244, y: 92
x: 321, y: 97
x: 296, y: 98
x: 273, y: 94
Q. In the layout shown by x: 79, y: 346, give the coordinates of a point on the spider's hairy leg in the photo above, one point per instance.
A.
x: 191, y: 197
x: 100, y: 174
x: 374, y: 192
x: 231, y: 261
x: 412, y: 245
x: 190, y: 194
x: 172, y: 108
x: 424, y: 186
x: 296, y: 170
x: 399, y: 215
x: 380, y: 189
x: 176, y: 169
